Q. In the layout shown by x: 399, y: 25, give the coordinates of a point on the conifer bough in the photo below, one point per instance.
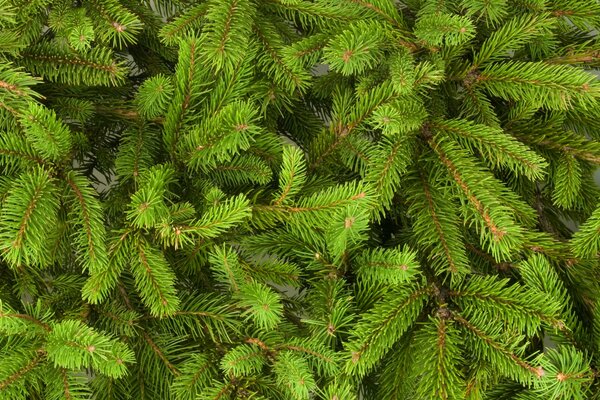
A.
x: 294, y: 199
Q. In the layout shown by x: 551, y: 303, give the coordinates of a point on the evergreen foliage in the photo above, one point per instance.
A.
x: 299, y: 199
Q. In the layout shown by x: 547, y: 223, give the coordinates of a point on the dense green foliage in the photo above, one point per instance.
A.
x: 299, y: 199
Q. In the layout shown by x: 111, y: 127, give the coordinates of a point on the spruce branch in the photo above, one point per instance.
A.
x: 154, y: 96
x: 22, y: 371
x: 586, y: 241
x: 497, y: 225
x: 439, y: 351
x: 383, y: 9
x: 502, y: 356
x: 184, y: 24
x: 227, y: 28
x: 497, y: 147
x: 103, y: 280
x: 355, y: 49
x: 567, y: 182
x: 523, y: 309
x: 190, y: 77
x: 317, y: 14
x: 289, y: 77
x: 292, y: 175
x: 243, y: 169
x: 196, y: 374
x: 26, y: 219
x: 97, y: 67
x: 555, y: 87
x: 154, y: 279
x: 294, y: 375
x: 438, y: 28
x: 48, y: 136
x: 299, y: 199
x: 513, y: 35
x: 436, y: 225
x: 73, y: 345
x: 387, y: 164
x: 382, y: 326
x: 115, y: 23
x: 389, y: 266
x: 566, y: 372
x: 86, y: 212
x: 17, y: 153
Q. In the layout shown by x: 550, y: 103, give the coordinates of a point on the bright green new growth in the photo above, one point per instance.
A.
x: 298, y: 200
